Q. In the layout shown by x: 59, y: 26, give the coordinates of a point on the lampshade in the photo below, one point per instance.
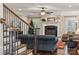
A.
x: 77, y: 31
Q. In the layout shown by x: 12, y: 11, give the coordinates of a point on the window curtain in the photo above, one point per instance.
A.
x: 36, y: 22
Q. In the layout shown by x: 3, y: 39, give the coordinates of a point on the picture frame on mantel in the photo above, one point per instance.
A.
x: 51, y: 19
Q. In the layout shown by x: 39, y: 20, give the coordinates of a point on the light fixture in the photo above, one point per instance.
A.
x: 69, y: 6
x: 76, y: 21
x: 43, y: 12
x: 20, y: 9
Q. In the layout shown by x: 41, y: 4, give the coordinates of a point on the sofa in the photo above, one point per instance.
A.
x: 43, y: 42
x: 72, y: 47
x: 68, y: 35
x: 71, y: 44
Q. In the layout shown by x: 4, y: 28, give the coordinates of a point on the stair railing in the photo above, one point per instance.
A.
x: 14, y: 21
x: 8, y: 40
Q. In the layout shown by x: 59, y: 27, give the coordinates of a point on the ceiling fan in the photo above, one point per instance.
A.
x: 44, y: 12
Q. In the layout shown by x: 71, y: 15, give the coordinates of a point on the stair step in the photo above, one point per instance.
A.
x: 21, y: 50
x: 15, y: 48
x: 6, y: 43
x: 26, y: 52
x: 15, y: 41
x: 21, y: 46
x: 5, y: 53
x: 6, y: 36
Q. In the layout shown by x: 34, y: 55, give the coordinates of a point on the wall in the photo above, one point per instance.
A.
x: 40, y: 24
x: 62, y: 26
x: 1, y: 30
x: 59, y: 24
x: 53, y: 24
x: 25, y: 18
x: 25, y: 29
x: 69, y: 14
x: 1, y: 10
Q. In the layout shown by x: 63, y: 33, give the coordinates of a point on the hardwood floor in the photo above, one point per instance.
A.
x: 46, y: 53
x: 62, y: 52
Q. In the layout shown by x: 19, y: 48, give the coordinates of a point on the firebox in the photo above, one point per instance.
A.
x: 51, y: 30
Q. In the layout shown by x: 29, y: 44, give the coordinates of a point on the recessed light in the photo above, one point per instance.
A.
x: 20, y: 9
x: 76, y: 21
x: 69, y: 6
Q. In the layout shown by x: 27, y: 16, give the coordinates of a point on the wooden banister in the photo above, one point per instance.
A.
x: 9, y: 26
x: 4, y: 22
x: 17, y: 16
x: 12, y: 26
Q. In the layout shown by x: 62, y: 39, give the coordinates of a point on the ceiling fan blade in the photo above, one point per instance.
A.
x: 49, y: 12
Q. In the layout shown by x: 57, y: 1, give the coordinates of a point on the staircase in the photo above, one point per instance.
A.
x: 12, y: 25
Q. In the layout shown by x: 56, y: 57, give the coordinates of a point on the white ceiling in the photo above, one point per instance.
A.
x: 33, y: 9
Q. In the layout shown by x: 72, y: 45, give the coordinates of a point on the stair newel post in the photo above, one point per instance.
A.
x: 15, y: 31
x: 15, y: 40
x: 11, y: 41
x: 35, y: 42
x: 16, y: 37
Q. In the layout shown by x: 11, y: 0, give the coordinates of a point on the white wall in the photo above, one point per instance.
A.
x: 1, y: 10
x: 40, y: 24
x: 1, y: 30
x: 59, y: 24
x: 25, y: 29
x: 70, y: 13
x: 62, y: 26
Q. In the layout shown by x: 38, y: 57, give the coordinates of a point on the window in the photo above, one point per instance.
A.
x: 70, y: 24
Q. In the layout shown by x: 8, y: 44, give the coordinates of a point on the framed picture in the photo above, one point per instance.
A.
x: 51, y: 19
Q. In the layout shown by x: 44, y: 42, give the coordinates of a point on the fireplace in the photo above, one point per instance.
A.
x: 51, y: 30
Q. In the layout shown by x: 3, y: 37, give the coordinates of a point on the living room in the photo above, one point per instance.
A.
x: 47, y: 19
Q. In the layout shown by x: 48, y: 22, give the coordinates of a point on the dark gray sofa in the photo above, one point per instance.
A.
x: 43, y: 42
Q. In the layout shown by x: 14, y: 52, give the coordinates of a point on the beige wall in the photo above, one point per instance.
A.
x: 1, y: 30
x: 40, y: 25
x: 61, y: 24
x: 1, y: 10
x: 24, y: 27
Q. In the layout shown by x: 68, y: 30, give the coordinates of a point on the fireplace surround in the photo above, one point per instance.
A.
x: 49, y: 25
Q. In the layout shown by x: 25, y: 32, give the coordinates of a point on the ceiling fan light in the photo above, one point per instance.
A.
x: 43, y: 13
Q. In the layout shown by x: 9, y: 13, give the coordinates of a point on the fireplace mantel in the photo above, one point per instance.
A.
x: 43, y: 28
